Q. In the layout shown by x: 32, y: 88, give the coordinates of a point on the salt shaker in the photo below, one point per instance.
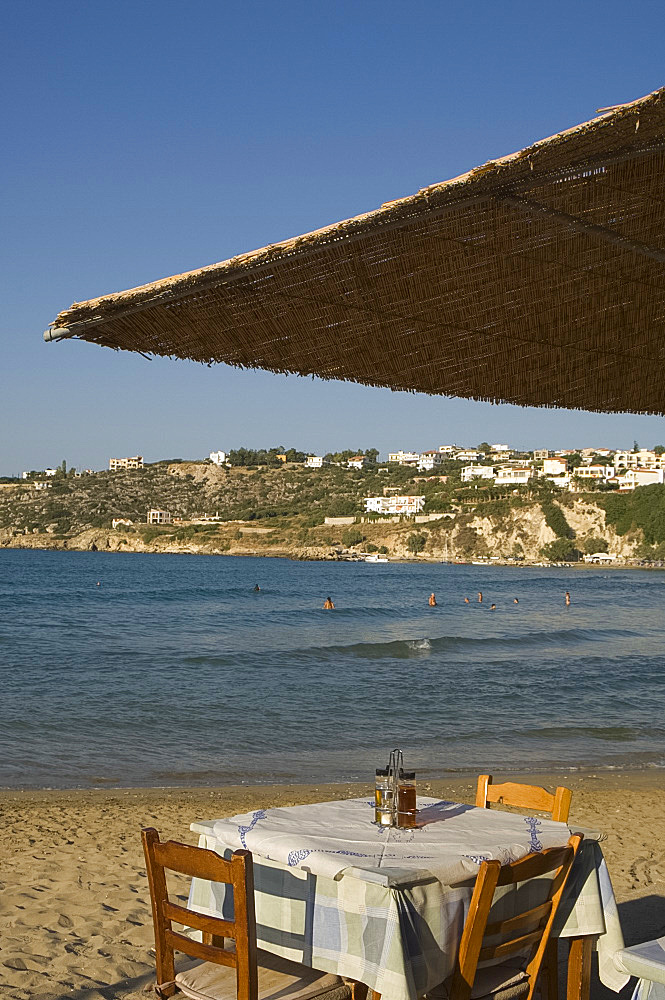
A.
x: 383, y: 798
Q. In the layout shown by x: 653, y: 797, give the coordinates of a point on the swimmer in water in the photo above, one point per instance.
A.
x: 432, y: 601
x: 98, y: 584
x: 480, y: 597
x: 328, y: 604
x: 492, y: 607
x: 567, y: 599
x: 256, y: 588
x: 466, y: 600
x: 515, y: 601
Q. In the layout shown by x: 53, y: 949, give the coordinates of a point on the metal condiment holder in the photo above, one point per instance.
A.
x: 395, y: 765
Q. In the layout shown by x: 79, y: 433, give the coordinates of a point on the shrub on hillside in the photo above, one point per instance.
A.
x: 556, y: 520
x: 643, y: 508
x: 352, y: 537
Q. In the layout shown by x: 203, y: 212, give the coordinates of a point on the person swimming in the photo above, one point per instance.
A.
x: 515, y: 601
x: 567, y: 599
x: 432, y: 600
x: 466, y: 600
x: 492, y: 607
x: 328, y: 604
x: 480, y: 597
x: 256, y: 588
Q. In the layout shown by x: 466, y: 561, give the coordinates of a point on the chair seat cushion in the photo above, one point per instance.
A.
x: 279, y: 979
x: 498, y: 982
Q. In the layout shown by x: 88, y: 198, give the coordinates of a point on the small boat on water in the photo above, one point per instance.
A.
x: 374, y: 558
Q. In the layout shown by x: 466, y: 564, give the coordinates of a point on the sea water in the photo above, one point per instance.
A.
x: 174, y: 671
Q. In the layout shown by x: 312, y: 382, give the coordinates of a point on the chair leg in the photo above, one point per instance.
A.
x: 550, y: 969
x: 579, y: 968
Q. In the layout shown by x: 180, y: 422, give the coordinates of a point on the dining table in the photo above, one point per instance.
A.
x: 385, y: 906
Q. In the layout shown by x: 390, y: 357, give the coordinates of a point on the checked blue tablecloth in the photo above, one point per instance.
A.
x: 386, y: 907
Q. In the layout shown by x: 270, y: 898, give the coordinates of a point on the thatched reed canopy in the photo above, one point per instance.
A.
x: 536, y: 279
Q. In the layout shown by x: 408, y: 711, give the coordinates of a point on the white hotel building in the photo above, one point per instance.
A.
x: 404, y: 457
x: 394, y: 505
x: 470, y: 472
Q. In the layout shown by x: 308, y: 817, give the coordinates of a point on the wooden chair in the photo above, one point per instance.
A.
x: 242, y: 971
x: 522, y: 937
x: 524, y: 797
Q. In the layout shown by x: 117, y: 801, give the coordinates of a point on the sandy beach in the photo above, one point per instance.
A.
x: 74, y: 897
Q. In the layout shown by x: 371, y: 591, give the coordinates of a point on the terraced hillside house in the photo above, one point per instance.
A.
x: 394, y: 505
x: 136, y: 462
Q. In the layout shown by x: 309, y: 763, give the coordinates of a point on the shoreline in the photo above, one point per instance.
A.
x: 609, y: 777
x: 296, y: 555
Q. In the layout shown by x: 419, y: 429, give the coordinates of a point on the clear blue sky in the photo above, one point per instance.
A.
x: 145, y: 138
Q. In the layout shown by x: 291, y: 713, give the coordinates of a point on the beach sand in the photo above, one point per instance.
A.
x: 74, y: 899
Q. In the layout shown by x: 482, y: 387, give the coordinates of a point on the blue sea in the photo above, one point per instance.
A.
x: 173, y: 671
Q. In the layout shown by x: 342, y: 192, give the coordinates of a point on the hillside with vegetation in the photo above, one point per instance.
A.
x: 263, y: 505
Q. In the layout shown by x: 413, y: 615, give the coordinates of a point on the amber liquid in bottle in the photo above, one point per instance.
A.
x: 406, y: 802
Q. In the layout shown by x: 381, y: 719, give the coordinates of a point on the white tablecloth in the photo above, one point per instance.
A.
x: 387, y: 907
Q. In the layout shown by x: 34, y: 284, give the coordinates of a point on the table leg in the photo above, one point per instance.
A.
x: 579, y: 968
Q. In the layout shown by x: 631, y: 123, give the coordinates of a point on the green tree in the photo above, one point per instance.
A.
x: 484, y: 446
x: 415, y: 543
x: 352, y: 537
x: 591, y: 545
x: 560, y: 550
x: 659, y: 449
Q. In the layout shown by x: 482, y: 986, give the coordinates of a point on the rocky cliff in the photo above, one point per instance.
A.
x: 281, y: 512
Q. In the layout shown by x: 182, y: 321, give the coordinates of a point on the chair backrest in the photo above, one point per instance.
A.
x: 200, y: 863
x: 524, y: 796
x: 527, y: 930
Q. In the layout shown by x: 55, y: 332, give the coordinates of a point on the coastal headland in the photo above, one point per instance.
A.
x: 301, y: 513
x: 74, y: 878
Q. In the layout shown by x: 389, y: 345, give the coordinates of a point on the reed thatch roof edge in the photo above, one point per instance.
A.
x: 500, y: 178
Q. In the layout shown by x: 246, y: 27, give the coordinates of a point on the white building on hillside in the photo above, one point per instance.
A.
x: 394, y: 505
x: 159, y: 516
x: 641, y: 477
x: 404, y: 457
x: 126, y: 463
x: 428, y: 460
x: 314, y: 462
x: 467, y: 456
x: 642, y: 459
x: 470, y: 472
x: 218, y: 457
x: 49, y: 472
x: 602, y: 472
x: 357, y: 462
x: 448, y: 450
x: 513, y: 475
x: 555, y: 467
x: 540, y: 454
